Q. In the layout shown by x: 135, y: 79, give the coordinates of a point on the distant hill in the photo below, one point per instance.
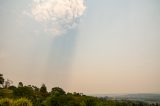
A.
x: 145, y: 97
x: 141, y: 97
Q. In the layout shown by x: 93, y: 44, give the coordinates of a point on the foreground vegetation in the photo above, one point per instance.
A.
x: 30, y: 95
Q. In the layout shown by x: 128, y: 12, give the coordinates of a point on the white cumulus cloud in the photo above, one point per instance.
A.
x: 58, y: 15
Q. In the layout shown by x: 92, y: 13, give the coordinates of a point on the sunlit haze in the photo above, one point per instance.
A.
x: 93, y: 46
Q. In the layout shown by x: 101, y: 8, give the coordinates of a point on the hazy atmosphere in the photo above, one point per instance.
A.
x: 101, y: 47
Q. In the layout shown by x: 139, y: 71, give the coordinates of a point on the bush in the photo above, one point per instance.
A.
x: 6, y: 102
x: 18, y: 102
x: 6, y: 93
x: 22, y: 102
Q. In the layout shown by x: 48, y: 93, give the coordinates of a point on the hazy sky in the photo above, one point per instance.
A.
x: 110, y: 46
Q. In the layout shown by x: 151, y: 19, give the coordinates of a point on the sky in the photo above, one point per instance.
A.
x: 93, y: 46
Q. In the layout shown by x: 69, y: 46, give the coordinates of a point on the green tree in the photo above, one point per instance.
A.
x: 12, y: 87
x: 25, y: 91
x: 57, y: 91
x: 43, y: 90
x: 90, y: 102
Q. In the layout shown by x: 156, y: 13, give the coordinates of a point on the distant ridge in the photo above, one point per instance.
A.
x: 146, y: 97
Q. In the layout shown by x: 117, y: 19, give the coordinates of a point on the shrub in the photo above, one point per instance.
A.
x: 6, y: 102
x: 22, y: 102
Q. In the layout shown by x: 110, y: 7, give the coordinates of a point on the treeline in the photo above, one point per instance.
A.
x: 31, y: 95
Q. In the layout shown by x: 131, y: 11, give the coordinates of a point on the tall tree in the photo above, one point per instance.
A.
x: 1, y: 80
x: 43, y: 90
x: 20, y: 84
x: 7, y: 83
